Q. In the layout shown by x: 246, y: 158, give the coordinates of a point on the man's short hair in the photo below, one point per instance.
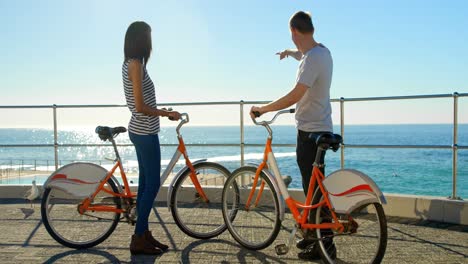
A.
x: 302, y: 22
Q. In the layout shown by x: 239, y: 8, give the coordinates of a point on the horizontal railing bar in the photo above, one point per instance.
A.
x: 274, y: 145
x: 26, y: 106
x: 397, y: 97
x: 203, y: 103
x: 131, y: 145
x: 88, y: 106
x: 109, y: 145
x: 110, y: 106
x: 160, y: 104
x: 27, y: 146
x: 245, y: 102
x: 236, y: 145
x: 96, y: 145
x: 400, y: 146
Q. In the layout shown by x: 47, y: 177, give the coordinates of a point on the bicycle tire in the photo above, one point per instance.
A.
x: 74, y: 231
x: 366, y: 245
x: 185, y: 200
x: 256, y: 227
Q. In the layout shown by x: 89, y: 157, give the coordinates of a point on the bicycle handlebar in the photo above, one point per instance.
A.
x: 182, y: 115
x: 263, y: 123
x: 184, y: 119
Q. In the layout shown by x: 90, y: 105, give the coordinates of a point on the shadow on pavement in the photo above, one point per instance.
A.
x: 74, y: 255
x: 198, y: 247
x: 445, y: 246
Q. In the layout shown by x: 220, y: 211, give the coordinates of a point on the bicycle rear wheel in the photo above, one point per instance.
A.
x: 59, y: 211
x: 364, y: 239
x: 192, y: 214
x: 257, y: 226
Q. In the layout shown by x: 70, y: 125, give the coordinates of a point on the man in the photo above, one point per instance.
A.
x: 313, y: 109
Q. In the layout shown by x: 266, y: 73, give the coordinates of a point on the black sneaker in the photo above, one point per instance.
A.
x: 304, y: 243
x: 310, y: 253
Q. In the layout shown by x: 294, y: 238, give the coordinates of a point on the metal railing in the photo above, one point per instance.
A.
x: 454, y: 147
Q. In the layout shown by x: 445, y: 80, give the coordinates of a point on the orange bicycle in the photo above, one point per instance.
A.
x: 345, y: 210
x: 83, y: 202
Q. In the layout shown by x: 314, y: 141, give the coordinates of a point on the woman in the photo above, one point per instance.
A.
x: 143, y: 131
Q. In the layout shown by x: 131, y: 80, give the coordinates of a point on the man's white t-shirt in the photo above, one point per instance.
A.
x: 313, y: 111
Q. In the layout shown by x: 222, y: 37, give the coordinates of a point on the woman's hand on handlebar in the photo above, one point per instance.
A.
x: 173, y: 115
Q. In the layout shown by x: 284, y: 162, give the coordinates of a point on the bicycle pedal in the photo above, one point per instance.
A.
x: 281, y: 249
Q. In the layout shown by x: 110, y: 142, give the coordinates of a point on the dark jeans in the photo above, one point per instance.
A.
x: 149, y: 164
x: 306, y: 150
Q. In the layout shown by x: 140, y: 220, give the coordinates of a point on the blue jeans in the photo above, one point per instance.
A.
x: 149, y: 164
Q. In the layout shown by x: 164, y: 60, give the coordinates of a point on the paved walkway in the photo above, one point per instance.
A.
x: 23, y: 239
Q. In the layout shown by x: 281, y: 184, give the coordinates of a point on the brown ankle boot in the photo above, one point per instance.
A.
x: 149, y: 237
x: 140, y: 245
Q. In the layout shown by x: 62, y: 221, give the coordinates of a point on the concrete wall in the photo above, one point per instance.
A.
x: 421, y: 207
x: 411, y: 206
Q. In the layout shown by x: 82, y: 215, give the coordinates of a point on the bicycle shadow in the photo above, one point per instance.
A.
x: 75, y: 253
x: 449, y: 247
x: 242, y: 253
x: 164, y: 227
x: 101, y: 257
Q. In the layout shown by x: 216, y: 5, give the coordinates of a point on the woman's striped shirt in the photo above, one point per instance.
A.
x: 140, y: 123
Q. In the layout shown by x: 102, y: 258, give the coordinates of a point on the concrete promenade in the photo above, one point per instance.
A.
x: 23, y: 239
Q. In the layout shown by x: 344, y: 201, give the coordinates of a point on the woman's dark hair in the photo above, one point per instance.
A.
x: 302, y: 22
x: 138, y: 42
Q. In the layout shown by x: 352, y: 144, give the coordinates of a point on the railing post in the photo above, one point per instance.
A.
x: 55, y: 136
x: 242, y: 132
x: 342, y: 130
x: 455, y: 147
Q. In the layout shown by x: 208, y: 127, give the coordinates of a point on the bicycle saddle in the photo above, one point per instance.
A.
x: 329, y: 141
x: 106, y: 133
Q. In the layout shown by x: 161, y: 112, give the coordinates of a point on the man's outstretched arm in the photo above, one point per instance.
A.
x: 290, y: 52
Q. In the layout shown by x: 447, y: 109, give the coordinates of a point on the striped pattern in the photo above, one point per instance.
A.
x: 140, y: 123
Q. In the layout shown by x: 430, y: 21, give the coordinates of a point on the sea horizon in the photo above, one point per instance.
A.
x: 397, y: 170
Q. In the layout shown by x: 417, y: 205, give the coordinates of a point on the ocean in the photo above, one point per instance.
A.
x: 403, y: 171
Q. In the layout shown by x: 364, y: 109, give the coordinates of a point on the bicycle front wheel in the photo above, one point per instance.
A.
x: 63, y: 221
x: 255, y: 225
x: 364, y: 239
x: 194, y: 215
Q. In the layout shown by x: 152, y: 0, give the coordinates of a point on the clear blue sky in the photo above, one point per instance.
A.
x: 70, y: 52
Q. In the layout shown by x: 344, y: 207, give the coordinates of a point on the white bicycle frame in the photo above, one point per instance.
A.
x: 347, y: 189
